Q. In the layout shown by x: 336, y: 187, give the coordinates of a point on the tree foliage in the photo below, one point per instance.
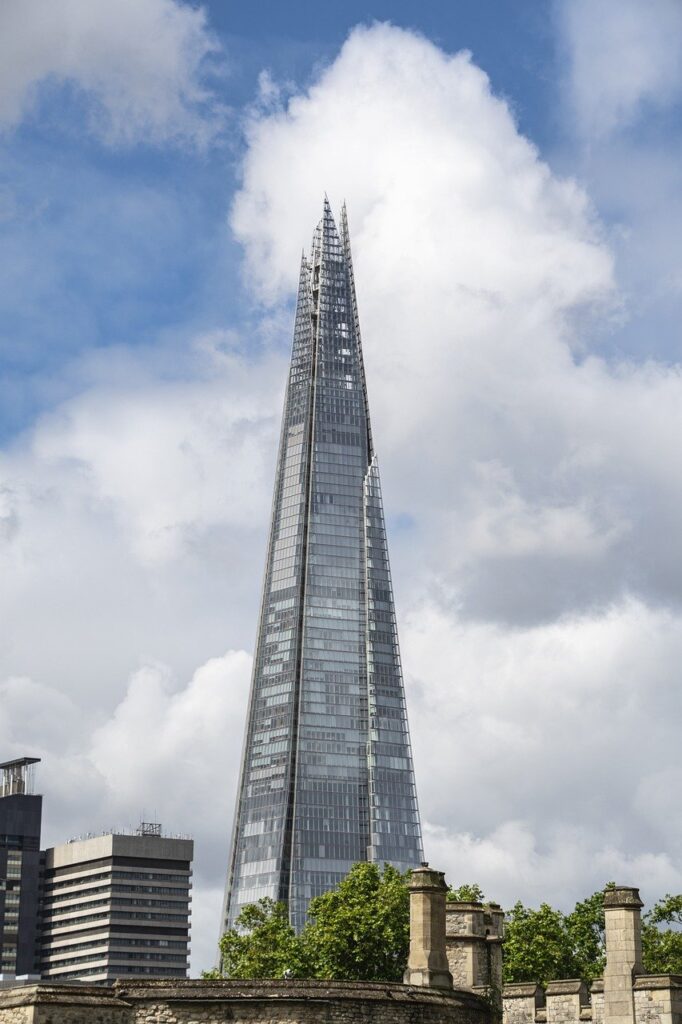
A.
x: 662, y: 947
x: 263, y: 945
x: 469, y: 892
x: 536, y: 945
x: 543, y: 945
x: 360, y: 932
x: 357, y: 932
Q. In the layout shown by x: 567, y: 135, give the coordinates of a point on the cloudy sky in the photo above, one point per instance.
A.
x: 512, y: 173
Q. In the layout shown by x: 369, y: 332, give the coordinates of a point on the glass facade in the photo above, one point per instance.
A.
x: 327, y: 776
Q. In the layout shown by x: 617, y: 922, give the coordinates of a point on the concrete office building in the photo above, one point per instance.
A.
x: 116, y: 906
x: 20, y: 818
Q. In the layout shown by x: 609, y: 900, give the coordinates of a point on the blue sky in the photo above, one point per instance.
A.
x: 515, y: 215
x: 110, y: 244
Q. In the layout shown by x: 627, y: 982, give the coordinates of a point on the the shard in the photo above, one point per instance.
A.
x: 327, y: 776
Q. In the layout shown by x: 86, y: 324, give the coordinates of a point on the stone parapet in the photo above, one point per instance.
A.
x: 658, y: 999
x: 249, y: 1002
x: 521, y: 1003
x: 565, y: 1001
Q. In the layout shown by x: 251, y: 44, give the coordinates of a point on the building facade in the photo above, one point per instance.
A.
x: 20, y: 821
x: 116, y: 906
x: 327, y: 777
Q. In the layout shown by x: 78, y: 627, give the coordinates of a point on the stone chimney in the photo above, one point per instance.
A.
x: 623, y: 938
x: 427, y: 966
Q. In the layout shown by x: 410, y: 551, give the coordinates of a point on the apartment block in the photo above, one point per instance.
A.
x: 116, y: 906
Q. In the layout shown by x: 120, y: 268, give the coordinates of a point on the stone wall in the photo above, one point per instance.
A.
x: 242, y: 1002
x: 61, y: 1004
x: 657, y: 999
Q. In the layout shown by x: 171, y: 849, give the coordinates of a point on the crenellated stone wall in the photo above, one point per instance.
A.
x: 625, y: 995
x: 657, y: 999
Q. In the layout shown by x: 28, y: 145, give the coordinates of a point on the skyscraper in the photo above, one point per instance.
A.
x: 327, y: 776
x: 20, y: 819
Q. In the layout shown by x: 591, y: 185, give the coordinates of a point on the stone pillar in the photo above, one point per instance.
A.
x: 623, y: 939
x: 427, y: 965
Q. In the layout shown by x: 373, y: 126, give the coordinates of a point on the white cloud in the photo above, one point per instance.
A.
x: 476, y: 266
x: 540, y: 578
x: 569, y: 725
x: 541, y: 482
x: 623, y: 57
x: 510, y: 866
x: 168, y: 753
x: 134, y: 518
x: 140, y: 64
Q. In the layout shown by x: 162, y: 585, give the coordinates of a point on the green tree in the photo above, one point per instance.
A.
x: 662, y: 947
x: 263, y: 944
x: 469, y: 892
x: 537, y: 945
x: 360, y: 930
x: 585, y: 932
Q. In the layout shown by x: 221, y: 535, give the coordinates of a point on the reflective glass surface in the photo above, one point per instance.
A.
x: 327, y: 775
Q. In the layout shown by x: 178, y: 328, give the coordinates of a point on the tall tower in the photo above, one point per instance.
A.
x: 20, y: 820
x: 327, y: 776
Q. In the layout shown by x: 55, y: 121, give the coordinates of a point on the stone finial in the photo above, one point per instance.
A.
x: 623, y: 940
x: 622, y: 897
x: 427, y: 965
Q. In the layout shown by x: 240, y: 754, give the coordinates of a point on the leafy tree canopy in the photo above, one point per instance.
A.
x: 360, y: 932
x: 543, y: 945
x: 357, y: 932
x: 263, y: 945
x: 662, y: 947
x: 470, y: 892
x: 361, y: 929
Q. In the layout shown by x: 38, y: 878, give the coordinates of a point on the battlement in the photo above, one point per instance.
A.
x: 656, y: 999
x: 474, y: 934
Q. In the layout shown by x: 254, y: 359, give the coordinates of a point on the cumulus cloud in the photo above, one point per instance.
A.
x: 533, y: 489
x: 560, y: 737
x: 133, y: 519
x: 139, y: 64
x: 622, y: 80
x: 168, y: 751
x: 536, y: 484
x: 510, y: 864
x: 483, y: 279
x: 623, y: 57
